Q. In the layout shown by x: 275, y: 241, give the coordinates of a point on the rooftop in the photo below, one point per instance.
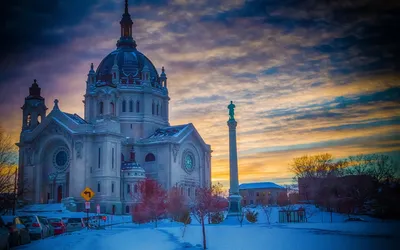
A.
x: 168, y: 131
x: 76, y: 118
x: 259, y: 185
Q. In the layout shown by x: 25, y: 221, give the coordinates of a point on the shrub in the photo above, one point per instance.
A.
x: 251, y: 216
x: 217, y: 218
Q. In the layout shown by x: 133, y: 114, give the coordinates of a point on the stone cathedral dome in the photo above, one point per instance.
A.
x: 129, y: 60
x: 130, y: 63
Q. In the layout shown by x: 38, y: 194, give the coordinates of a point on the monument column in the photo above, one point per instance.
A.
x: 234, y: 196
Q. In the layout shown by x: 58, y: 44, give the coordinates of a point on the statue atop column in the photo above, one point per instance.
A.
x: 231, y: 108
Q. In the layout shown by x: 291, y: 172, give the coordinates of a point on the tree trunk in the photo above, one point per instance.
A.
x: 204, y: 233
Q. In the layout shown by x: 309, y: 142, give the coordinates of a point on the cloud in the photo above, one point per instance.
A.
x: 306, y: 76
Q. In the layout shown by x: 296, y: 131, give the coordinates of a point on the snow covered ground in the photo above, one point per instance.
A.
x: 313, y: 235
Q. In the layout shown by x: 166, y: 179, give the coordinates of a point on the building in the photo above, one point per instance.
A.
x: 259, y: 193
x: 332, y: 191
x: 125, y: 136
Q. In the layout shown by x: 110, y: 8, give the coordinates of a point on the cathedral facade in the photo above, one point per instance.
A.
x: 124, y: 137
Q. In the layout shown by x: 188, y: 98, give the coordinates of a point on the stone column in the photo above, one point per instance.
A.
x: 234, y: 196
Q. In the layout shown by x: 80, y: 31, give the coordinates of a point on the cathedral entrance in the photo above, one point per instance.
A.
x: 59, y: 194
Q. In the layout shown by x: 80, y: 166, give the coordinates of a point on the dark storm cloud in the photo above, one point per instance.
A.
x: 332, y: 109
x: 390, y: 122
x: 366, y: 28
x: 28, y: 24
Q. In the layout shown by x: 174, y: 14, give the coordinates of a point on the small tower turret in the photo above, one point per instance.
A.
x: 163, y: 78
x: 34, y: 108
x: 91, y: 77
x: 115, y: 71
x: 146, y: 75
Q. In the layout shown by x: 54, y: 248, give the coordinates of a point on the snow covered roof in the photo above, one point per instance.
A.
x: 130, y: 165
x: 165, y: 134
x: 168, y: 131
x: 259, y: 185
x: 76, y: 118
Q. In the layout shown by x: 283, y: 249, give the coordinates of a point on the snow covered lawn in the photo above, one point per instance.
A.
x: 121, y: 237
x: 311, y: 236
x: 285, y: 237
x: 317, y: 234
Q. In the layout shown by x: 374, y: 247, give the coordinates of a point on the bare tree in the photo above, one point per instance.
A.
x: 268, y: 211
x: 9, y: 191
x: 359, y: 165
x: 381, y: 167
x: 316, y: 166
x: 241, y: 214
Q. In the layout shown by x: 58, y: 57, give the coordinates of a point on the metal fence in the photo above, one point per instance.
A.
x: 292, y: 216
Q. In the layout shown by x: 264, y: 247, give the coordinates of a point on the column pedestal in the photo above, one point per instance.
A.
x: 234, y: 196
x: 234, y: 205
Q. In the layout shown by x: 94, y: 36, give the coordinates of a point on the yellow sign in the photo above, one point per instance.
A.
x: 87, y: 194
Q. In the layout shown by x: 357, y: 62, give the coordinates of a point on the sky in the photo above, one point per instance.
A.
x: 307, y: 77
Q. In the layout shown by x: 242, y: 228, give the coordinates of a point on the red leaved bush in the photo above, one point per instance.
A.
x: 152, y: 202
x: 176, y: 206
x: 207, y: 201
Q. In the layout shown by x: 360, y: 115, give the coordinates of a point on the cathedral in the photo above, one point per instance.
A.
x: 124, y: 137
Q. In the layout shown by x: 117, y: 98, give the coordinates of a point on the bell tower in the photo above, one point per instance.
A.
x: 34, y: 108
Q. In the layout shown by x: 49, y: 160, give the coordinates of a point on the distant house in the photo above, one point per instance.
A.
x: 258, y: 193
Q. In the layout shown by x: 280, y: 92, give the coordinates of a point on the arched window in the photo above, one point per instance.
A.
x: 130, y: 106
x: 161, y: 112
x: 122, y: 157
x: 28, y: 120
x: 127, y: 209
x: 158, y: 106
x: 150, y: 157
x: 135, y: 189
x: 101, y: 108
x: 114, y: 75
x: 123, y: 106
x: 152, y: 108
x: 137, y: 106
x: 39, y: 119
x: 112, y: 108
x: 189, y: 192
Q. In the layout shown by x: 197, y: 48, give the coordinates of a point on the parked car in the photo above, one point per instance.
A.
x: 46, y: 223
x: 58, y: 225
x: 75, y: 224
x: 4, y: 235
x: 19, y: 234
x: 37, y: 229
